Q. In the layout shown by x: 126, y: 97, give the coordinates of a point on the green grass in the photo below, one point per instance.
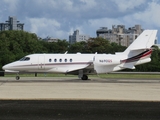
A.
x: 131, y: 76
x: 109, y: 76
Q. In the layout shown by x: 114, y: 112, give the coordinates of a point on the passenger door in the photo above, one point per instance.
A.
x: 41, y: 62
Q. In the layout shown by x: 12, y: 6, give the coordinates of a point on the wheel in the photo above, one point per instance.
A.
x: 17, y: 77
x: 84, y: 77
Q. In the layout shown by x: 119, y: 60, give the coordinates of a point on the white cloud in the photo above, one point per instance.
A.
x: 42, y: 2
x: 13, y: 4
x: 89, y: 27
x: 43, y: 27
x: 88, y: 4
x: 59, y: 18
x: 150, y: 16
x: 149, y: 19
x: 125, y: 5
x: 67, y: 5
x: 71, y: 6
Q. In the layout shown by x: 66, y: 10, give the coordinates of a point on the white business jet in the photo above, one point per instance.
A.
x: 137, y: 53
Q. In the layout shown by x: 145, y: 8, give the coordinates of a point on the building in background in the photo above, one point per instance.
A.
x: 119, y: 34
x: 76, y: 37
x: 50, y: 39
x: 11, y: 24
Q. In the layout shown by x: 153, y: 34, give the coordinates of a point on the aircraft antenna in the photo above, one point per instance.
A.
x: 66, y: 52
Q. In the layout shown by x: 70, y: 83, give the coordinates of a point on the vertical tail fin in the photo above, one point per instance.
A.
x: 144, y: 41
x: 139, y: 51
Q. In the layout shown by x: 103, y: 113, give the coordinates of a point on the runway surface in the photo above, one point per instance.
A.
x: 79, y: 110
x: 70, y: 99
x: 74, y: 89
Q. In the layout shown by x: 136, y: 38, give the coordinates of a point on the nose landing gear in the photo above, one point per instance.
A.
x: 17, y: 77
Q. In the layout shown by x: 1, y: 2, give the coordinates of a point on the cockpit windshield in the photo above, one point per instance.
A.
x: 25, y: 59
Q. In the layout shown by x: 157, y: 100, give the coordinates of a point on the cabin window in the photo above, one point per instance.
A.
x: 70, y: 60
x: 65, y: 60
x: 25, y: 59
x: 55, y: 60
x: 21, y: 59
x: 60, y: 60
x: 50, y: 60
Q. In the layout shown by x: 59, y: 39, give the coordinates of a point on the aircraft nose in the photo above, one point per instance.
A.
x: 5, y: 67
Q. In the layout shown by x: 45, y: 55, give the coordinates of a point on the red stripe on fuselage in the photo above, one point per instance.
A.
x: 49, y: 64
x: 139, y: 56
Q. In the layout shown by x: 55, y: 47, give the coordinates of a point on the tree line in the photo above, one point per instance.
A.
x: 16, y: 44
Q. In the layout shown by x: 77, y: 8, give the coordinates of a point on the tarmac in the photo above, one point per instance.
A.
x: 68, y: 98
x: 46, y: 88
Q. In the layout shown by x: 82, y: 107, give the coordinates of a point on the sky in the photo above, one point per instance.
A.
x: 60, y: 18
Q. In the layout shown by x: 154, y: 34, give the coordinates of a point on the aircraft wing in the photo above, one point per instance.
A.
x: 87, y: 69
x: 11, y: 71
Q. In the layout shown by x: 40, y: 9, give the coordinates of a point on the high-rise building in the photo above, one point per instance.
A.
x: 119, y: 34
x: 11, y: 24
x: 76, y: 37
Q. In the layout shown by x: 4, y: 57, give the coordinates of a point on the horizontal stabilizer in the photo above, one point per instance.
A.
x: 127, y: 65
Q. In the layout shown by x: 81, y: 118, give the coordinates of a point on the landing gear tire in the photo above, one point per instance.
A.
x: 84, y: 77
x: 17, y: 77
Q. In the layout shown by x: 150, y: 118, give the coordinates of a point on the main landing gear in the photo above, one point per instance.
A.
x: 84, y: 77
